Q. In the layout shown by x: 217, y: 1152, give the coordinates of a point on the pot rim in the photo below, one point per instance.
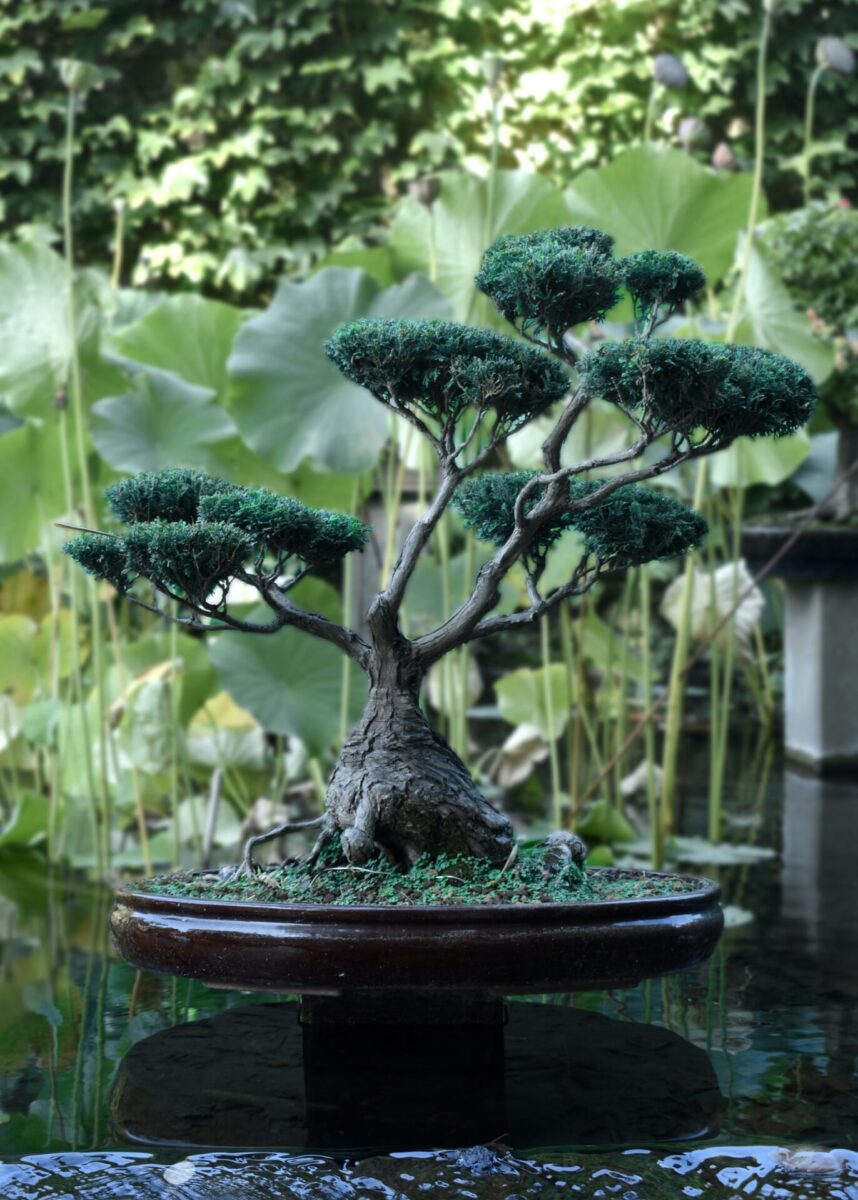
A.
x: 705, y: 895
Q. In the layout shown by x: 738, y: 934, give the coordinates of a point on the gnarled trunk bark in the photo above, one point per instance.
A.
x: 398, y: 787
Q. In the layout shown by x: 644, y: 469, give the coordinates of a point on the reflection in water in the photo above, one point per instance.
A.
x: 253, y: 1077
x: 775, y: 1013
x: 482, y: 1172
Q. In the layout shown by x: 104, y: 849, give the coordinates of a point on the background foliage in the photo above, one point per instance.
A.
x: 246, y: 136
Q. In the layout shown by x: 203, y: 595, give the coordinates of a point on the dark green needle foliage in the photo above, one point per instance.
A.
x: 169, y: 495
x: 656, y: 278
x: 103, y: 556
x: 440, y: 368
x: 631, y: 525
x: 636, y: 524
x: 284, y: 525
x: 683, y: 384
x: 192, y: 561
x: 551, y: 280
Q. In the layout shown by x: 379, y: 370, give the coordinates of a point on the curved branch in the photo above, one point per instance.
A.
x: 321, y: 627
x: 459, y: 627
x: 577, y: 586
x: 202, y: 627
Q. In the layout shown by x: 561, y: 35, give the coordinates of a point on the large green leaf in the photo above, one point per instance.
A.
x: 771, y: 320
x: 448, y: 243
x: 760, y: 460
x: 28, y: 822
x: 523, y: 698
x: 290, y: 403
x: 35, y: 331
x: 163, y: 421
x: 31, y: 486
x: 660, y: 198
x: 189, y: 335
x: 289, y: 681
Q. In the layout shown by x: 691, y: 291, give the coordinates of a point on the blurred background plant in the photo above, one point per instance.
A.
x: 246, y: 136
x: 217, y: 148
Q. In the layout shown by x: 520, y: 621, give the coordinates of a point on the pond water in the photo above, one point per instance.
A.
x: 737, y: 1079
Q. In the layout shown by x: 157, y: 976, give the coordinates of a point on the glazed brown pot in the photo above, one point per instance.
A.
x: 502, y: 949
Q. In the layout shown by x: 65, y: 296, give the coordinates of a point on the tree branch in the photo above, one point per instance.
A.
x: 202, y: 627
x: 577, y: 586
x: 459, y: 627
x: 342, y: 637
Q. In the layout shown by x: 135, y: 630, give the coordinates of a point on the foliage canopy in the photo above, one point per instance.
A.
x: 441, y: 368
x: 685, y: 384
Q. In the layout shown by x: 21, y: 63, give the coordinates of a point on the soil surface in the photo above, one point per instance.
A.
x: 446, y: 880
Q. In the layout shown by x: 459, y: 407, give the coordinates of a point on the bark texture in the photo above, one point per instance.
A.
x: 398, y: 787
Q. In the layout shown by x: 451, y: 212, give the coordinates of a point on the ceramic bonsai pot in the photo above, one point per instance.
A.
x: 491, y: 949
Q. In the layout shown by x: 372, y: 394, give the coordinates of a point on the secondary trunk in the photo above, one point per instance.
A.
x: 398, y: 787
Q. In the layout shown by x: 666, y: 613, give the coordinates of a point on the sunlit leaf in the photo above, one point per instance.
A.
x: 289, y: 401
x: 656, y: 197
x: 448, y: 243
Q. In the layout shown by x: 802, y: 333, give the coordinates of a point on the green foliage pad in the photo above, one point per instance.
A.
x: 686, y: 384
x: 285, y: 525
x: 441, y: 368
x: 553, y: 279
x: 632, y: 525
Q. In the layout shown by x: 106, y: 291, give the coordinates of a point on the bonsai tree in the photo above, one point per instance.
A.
x: 814, y: 250
x: 397, y: 787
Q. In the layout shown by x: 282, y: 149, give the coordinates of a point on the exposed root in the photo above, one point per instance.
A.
x: 248, y: 866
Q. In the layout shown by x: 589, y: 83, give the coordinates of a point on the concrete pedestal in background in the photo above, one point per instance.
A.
x: 821, y: 688
x: 818, y: 876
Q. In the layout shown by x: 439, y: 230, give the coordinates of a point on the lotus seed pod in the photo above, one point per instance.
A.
x: 77, y: 76
x: 669, y: 71
x: 833, y: 54
x: 723, y: 158
x: 426, y: 190
x: 692, y: 132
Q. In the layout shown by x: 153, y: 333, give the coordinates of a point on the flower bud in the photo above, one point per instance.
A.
x: 723, y: 158
x: 426, y: 190
x: 833, y: 54
x: 692, y: 132
x: 669, y: 71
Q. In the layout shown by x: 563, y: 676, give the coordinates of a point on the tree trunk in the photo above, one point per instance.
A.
x: 399, y: 788
x: 845, y: 502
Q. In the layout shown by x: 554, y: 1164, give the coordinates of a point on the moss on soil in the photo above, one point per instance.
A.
x: 446, y: 880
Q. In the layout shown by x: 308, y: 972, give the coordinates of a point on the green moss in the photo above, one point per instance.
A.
x: 102, y: 556
x: 661, y: 277
x: 442, y: 368
x: 686, y: 384
x: 283, y: 524
x: 446, y: 880
x: 193, y: 560
x: 633, y: 525
x: 552, y: 279
x: 169, y: 495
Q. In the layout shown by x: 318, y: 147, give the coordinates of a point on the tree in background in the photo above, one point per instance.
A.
x: 243, y: 137
x: 397, y: 787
